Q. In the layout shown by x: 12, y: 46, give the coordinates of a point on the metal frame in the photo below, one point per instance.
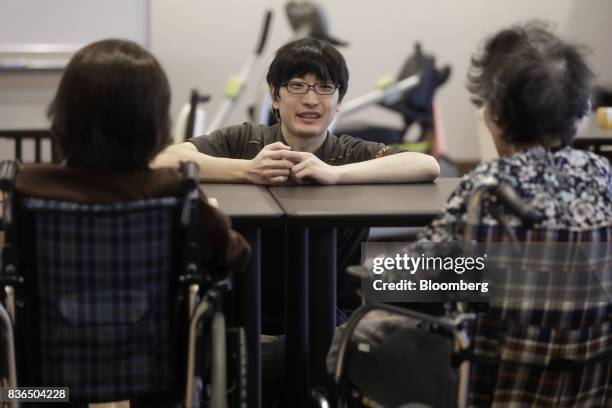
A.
x: 453, y: 326
x: 10, y: 350
x: 191, y: 275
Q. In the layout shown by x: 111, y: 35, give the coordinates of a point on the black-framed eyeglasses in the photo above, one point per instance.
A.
x: 300, y: 88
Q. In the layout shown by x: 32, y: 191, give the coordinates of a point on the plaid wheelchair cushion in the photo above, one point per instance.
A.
x: 554, y: 328
x: 103, y: 274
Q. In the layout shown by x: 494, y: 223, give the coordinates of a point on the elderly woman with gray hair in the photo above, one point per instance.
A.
x: 534, y: 87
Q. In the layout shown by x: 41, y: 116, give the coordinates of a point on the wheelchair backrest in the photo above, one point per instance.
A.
x: 97, y: 292
x: 100, y: 280
x: 549, y: 324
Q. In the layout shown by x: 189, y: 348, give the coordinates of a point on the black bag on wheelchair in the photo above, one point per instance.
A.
x: 383, y: 372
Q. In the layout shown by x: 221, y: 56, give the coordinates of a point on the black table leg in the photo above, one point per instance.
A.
x: 38, y: 149
x: 248, y: 298
x: 18, y: 148
x: 297, y: 392
x: 322, y: 300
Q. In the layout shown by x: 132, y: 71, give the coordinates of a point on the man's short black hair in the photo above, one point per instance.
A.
x: 111, y: 107
x: 535, y: 85
x: 308, y: 56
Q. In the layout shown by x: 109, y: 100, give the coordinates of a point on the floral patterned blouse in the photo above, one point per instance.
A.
x: 571, y: 188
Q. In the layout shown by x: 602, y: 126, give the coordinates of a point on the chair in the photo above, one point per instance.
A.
x: 108, y: 299
x: 546, y: 340
x: 37, y: 135
x: 415, y: 105
x: 543, y: 339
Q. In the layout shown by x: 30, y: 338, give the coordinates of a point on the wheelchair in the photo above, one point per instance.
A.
x: 112, y: 301
x: 524, y: 347
x: 415, y: 106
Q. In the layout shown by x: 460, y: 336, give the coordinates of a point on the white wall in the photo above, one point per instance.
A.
x: 71, y: 21
x: 200, y: 42
x: 26, y: 25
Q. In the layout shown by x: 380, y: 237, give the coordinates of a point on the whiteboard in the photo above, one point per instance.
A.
x: 41, y: 34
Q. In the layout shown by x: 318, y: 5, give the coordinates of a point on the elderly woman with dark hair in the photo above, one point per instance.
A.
x: 109, y: 118
x: 110, y: 110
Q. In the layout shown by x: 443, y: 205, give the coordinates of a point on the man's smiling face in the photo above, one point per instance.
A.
x: 305, y: 115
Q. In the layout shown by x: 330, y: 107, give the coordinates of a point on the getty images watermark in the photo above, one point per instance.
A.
x: 471, y: 272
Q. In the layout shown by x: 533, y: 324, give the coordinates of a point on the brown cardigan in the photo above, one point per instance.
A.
x: 226, y: 247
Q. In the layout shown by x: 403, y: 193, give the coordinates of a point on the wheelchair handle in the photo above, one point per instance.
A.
x: 508, y: 196
x: 191, y: 178
x: 8, y: 172
x: 524, y: 211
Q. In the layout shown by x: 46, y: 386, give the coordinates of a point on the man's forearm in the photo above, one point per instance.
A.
x: 397, y: 168
x: 211, y: 168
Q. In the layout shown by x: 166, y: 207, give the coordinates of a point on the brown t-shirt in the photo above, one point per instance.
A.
x: 245, y: 142
x: 226, y: 247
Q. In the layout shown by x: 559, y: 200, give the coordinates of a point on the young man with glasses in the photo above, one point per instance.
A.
x: 308, y: 79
